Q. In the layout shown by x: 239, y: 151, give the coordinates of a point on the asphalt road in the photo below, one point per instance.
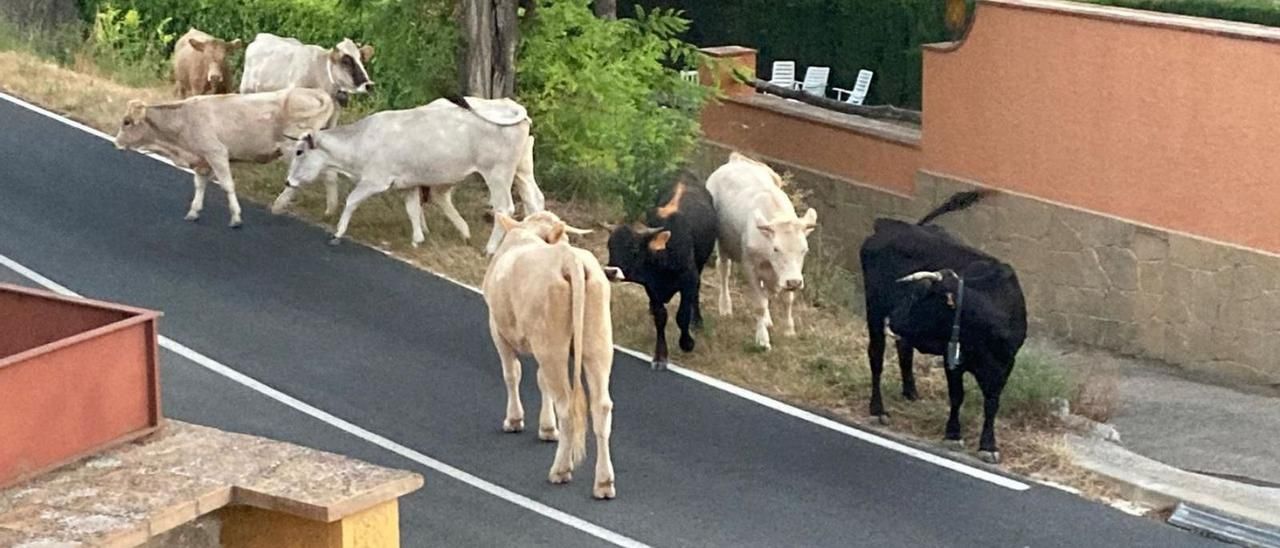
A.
x: 407, y: 355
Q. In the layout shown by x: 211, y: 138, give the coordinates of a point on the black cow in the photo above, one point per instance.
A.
x: 667, y: 257
x: 912, y: 276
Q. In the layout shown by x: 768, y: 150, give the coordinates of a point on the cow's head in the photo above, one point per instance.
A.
x: 634, y: 249
x: 133, y: 128
x: 786, y: 244
x: 543, y: 224
x: 346, y: 66
x: 216, y: 51
x: 309, y: 160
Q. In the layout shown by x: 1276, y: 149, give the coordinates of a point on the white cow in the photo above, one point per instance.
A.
x: 438, y: 144
x: 205, y: 133
x: 759, y: 229
x: 545, y: 298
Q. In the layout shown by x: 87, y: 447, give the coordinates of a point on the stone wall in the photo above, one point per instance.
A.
x: 1089, y: 279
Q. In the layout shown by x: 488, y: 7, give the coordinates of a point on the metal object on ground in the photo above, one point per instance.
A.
x: 1224, y: 527
x: 77, y: 376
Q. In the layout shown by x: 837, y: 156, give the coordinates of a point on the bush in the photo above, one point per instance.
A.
x: 1262, y: 12
x: 612, y: 120
x: 122, y: 43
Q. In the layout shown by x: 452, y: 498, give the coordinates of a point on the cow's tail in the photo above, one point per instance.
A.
x: 578, y: 400
x: 957, y: 202
x: 458, y: 100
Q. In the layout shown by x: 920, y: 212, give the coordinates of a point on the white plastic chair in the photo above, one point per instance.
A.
x: 690, y: 76
x: 784, y: 74
x: 815, y: 80
x: 859, y: 91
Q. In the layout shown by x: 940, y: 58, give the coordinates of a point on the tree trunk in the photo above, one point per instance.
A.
x: 607, y: 9
x: 492, y: 33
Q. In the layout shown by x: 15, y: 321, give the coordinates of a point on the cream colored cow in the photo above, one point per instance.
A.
x: 546, y: 297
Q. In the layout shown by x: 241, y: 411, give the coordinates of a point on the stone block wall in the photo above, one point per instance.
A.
x: 1089, y: 279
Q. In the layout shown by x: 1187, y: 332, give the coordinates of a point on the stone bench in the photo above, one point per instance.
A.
x: 207, y: 487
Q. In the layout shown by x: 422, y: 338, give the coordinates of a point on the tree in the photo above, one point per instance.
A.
x: 606, y: 9
x: 492, y: 32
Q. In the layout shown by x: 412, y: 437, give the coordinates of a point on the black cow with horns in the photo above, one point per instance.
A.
x: 941, y: 297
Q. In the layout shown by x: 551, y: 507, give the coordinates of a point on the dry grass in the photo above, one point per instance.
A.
x: 823, y: 368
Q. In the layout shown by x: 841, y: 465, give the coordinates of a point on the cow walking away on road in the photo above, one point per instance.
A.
x: 667, y: 257
x: 206, y: 133
x: 760, y: 230
x: 438, y: 144
x: 274, y: 63
x: 916, y: 276
x: 550, y: 299
x: 200, y: 64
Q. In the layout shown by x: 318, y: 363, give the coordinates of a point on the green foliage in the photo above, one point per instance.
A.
x: 613, y: 120
x: 1262, y: 12
x: 847, y: 35
x: 1036, y: 380
x: 123, y: 42
x: 415, y: 41
x: 59, y: 44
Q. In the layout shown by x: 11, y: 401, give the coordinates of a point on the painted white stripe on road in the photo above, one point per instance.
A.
x: 366, y: 435
x: 879, y: 441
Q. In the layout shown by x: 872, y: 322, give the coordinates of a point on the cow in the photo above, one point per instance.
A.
x: 437, y: 144
x: 200, y: 64
x: 941, y: 297
x: 758, y: 228
x: 205, y: 133
x: 272, y: 63
x: 667, y: 257
x: 550, y: 299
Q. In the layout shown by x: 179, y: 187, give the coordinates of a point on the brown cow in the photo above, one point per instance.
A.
x: 546, y: 297
x: 200, y: 64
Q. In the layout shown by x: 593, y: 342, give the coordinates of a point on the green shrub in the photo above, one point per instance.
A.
x: 612, y: 120
x: 123, y: 43
x: 1262, y: 12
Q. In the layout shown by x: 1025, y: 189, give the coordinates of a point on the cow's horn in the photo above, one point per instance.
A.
x: 648, y: 230
x: 923, y: 275
x: 607, y: 226
x: 576, y: 231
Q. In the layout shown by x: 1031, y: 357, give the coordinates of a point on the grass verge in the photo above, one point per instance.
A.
x: 823, y: 368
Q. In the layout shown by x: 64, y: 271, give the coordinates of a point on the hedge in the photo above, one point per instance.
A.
x: 1262, y: 12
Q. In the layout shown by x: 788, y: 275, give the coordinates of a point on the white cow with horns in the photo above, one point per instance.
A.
x: 438, y: 144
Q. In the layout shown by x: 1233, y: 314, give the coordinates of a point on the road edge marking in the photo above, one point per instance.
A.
x: 761, y: 399
x: 305, y: 408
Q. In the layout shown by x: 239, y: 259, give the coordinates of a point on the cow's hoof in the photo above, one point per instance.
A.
x: 512, y: 426
x: 686, y: 344
x: 335, y: 241
x: 548, y: 434
x: 604, y: 490
x: 560, y: 477
x: 910, y: 395
x: 953, y: 445
x: 989, y: 457
x: 192, y: 217
x: 658, y: 365
x: 882, y: 419
x: 235, y: 224
x: 417, y: 243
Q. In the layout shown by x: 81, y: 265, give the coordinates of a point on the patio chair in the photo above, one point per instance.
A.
x: 690, y: 76
x: 815, y: 80
x: 784, y: 74
x: 859, y: 91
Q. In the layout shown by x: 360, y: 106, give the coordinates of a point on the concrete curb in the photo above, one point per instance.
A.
x: 1157, y: 484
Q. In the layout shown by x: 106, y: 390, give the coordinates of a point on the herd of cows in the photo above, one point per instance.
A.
x: 547, y: 298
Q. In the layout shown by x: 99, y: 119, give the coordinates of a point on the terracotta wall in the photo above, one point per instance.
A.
x: 1164, y: 120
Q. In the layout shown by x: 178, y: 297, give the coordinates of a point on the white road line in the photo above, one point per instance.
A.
x: 879, y: 441
x: 380, y: 441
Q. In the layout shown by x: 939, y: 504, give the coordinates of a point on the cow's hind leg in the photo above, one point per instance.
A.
x: 451, y: 212
x: 222, y: 173
x: 530, y: 195
x: 723, y: 267
x: 598, y: 371
x: 413, y: 207
x: 514, y: 422
x: 197, y: 201
x: 547, y: 430
x: 554, y: 372
x: 875, y: 359
x: 906, y: 355
x: 992, y: 385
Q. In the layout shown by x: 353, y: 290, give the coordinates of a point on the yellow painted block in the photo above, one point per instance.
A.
x: 247, y: 527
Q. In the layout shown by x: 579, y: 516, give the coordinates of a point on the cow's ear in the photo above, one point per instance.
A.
x: 809, y: 221
x: 556, y: 233
x: 136, y: 109
x: 763, y: 224
x: 506, y: 222
x: 197, y: 45
x: 659, y: 242
x: 366, y: 53
x: 335, y: 55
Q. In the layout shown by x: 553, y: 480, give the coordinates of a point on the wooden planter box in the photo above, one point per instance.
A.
x: 76, y: 377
